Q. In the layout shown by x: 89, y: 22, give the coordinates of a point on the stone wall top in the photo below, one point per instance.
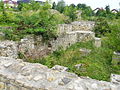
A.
x: 83, y: 22
x: 76, y: 26
x: 31, y: 76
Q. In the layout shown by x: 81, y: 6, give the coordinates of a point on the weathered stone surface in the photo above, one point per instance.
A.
x: 115, y: 78
x: 21, y: 75
x: 97, y: 42
x: 83, y: 25
x: 76, y: 26
x: 8, y: 49
x: 78, y: 66
x: 33, y: 46
x: 70, y: 38
x: 60, y: 68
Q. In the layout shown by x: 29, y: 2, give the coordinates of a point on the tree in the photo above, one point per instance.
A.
x: 101, y: 12
x: 81, y: 6
x: 71, y: 12
x: 107, y: 8
x: 113, y: 38
x: 54, y: 5
x: 72, y: 5
x: 60, y: 6
x: 101, y: 28
x: 20, y: 6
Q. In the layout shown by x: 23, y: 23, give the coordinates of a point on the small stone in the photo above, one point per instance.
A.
x: 51, y: 79
x: 7, y: 65
x: 115, y: 78
x: 78, y: 66
x: 60, y: 68
x: 30, y: 77
x: 66, y: 80
x: 94, y: 85
x: 36, y: 78
x: 2, y: 47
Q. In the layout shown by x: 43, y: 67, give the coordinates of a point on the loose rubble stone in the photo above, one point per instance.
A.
x: 78, y: 66
x: 115, y: 78
x: 60, y: 68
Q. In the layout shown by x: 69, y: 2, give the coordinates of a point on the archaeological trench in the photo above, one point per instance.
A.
x: 16, y: 74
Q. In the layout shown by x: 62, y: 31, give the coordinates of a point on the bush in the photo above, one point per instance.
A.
x: 112, y: 40
x: 101, y: 27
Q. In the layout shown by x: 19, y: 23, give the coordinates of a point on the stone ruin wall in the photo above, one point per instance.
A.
x: 33, y: 46
x: 69, y: 34
x: 8, y: 49
x: 66, y: 40
x: 76, y: 26
x: 18, y: 75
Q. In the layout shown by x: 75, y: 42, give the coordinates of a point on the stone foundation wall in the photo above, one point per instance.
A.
x: 18, y: 75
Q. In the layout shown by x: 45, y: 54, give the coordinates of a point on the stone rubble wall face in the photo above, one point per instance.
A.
x: 64, y: 41
x: 33, y: 46
x: 8, y: 49
x: 18, y: 75
x: 76, y: 26
x: 83, y: 25
x: 70, y: 38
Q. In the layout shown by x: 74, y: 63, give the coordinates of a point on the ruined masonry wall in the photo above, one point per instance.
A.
x: 76, y: 26
x: 18, y: 75
x: 8, y: 49
x: 70, y: 38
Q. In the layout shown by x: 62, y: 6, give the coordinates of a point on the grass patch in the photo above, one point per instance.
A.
x: 96, y: 65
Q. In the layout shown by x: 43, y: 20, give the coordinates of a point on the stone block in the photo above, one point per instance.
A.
x: 78, y: 66
x: 60, y: 68
x: 97, y: 42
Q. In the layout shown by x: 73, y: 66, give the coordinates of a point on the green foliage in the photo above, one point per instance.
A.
x: 60, y: 6
x: 54, y: 6
x: 101, y: 28
x: 113, y: 39
x: 107, y: 8
x: 33, y: 18
x: 71, y: 12
x: 86, y: 10
x: 96, y: 65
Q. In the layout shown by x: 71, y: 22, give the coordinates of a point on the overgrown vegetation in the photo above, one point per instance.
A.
x: 33, y: 18
x: 39, y: 19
